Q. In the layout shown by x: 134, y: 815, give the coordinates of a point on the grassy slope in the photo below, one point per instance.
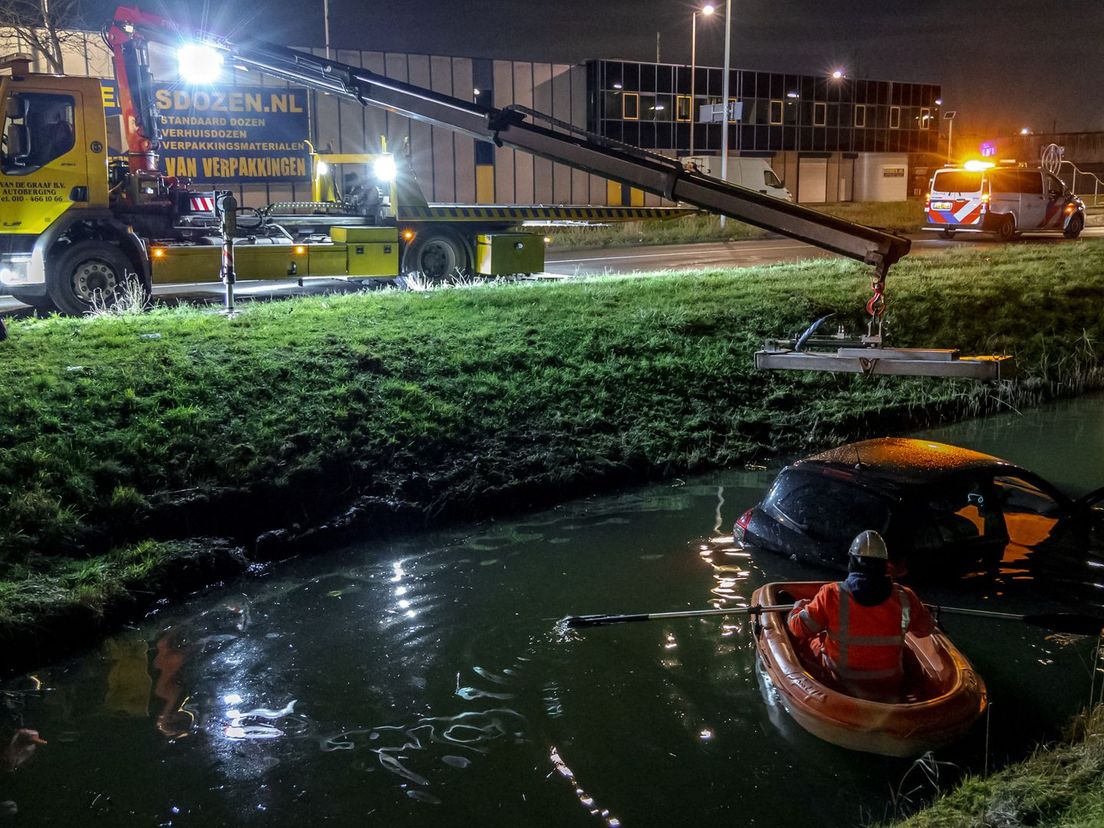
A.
x: 463, y: 402
x: 899, y: 216
x: 1060, y: 787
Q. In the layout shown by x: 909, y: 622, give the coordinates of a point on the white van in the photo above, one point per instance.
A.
x: 1002, y: 200
x: 752, y: 173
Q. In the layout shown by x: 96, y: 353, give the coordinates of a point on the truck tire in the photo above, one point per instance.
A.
x: 42, y: 304
x: 437, y: 255
x: 1006, y: 230
x: 88, y: 273
x: 1075, y: 226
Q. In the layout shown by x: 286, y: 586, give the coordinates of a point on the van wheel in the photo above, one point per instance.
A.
x: 1075, y: 226
x: 87, y: 274
x: 948, y: 233
x: 1007, y: 228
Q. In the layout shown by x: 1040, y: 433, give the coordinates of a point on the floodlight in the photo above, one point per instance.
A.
x: 384, y: 169
x: 199, y: 63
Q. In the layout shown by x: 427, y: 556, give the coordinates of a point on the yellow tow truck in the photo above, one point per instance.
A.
x: 77, y: 224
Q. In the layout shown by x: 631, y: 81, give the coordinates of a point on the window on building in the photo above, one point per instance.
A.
x: 820, y: 114
x: 682, y: 108
x: 925, y: 118
x: 38, y: 128
x: 776, y: 108
x: 860, y: 115
x: 895, y: 117
x: 630, y: 106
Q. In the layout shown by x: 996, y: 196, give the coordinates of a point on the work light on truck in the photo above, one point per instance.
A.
x: 198, y: 63
x: 384, y: 169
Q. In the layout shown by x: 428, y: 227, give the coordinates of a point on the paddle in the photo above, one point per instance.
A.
x: 1066, y: 622
x: 602, y: 620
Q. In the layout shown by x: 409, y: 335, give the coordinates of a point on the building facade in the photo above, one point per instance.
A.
x: 814, y: 129
x: 828, y: 139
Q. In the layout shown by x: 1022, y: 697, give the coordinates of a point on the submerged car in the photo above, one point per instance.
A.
x: 941, y: 508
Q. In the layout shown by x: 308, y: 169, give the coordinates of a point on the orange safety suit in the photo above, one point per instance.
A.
x: 860, y: 647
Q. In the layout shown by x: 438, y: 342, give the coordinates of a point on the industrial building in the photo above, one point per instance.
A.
x: 829, y: 139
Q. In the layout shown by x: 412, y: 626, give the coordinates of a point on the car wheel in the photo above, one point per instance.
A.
x: 1007, y: 228
x: 1075, y: 226
x: 437, y: 255
x: 88, y: 274
x: 948, y: 233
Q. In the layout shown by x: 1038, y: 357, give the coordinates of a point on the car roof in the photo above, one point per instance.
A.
x: 904, y: 461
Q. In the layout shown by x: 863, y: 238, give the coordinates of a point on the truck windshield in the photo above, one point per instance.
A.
x: 955, y: 181
x: 37, y: 129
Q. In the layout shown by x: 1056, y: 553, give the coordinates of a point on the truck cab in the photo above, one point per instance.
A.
x: 1007, y: 201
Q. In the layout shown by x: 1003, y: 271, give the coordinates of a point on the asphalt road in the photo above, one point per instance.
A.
x: 581, y: 262
x: 746, y: 253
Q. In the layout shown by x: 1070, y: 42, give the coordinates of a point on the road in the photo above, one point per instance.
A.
x: 620, y: 260
x: 746, y: 253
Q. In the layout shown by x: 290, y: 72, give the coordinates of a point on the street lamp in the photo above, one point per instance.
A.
x: 838, y: 74
x: 725, y: 94
x: 706, y: 10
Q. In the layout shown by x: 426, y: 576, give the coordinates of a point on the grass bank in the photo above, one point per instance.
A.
x: 124, y: 439
x: 899, y: 216
x: 1061, y: 786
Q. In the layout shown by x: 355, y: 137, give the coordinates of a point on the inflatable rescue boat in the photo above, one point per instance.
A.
x: 942, y: 697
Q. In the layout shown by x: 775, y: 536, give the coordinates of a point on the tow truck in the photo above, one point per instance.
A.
x: 75, y: 224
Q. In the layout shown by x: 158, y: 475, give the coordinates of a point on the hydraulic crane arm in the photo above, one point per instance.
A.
x: 509, y: 127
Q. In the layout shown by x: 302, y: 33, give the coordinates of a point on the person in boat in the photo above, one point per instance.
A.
x: 854, y: 630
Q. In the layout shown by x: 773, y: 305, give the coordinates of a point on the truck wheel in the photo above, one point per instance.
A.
x: 437, y: 255
x: 1007, y: 228
x: 43, y: 304
x: 89, y: 273
x: 1075, y: 226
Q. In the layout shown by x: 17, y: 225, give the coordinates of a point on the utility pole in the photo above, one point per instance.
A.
x: 326, y: 25
x: 725, y: 93
x: 657, y: 47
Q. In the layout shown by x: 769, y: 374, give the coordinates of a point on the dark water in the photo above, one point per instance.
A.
x: 422, y: 681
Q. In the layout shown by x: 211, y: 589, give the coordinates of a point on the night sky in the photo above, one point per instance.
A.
x: 1003, y: 64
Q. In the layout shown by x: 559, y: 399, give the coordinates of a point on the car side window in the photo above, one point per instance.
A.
x: 38, y: 128
x: 1031, y: 181
x: 1054, y: 185
x: 1029, y: 512
x: 966, y: 512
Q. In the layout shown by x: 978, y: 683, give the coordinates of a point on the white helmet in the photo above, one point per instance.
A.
x: 869, y: 544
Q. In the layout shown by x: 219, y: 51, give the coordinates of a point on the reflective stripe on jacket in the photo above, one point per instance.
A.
x: 861, y: 643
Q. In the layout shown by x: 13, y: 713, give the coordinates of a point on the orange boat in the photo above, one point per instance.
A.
x: 943, y: 694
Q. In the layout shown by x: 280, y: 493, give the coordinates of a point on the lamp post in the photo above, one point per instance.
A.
x: 706, y: 10
x: 725, y: 93
x: 326, y: 26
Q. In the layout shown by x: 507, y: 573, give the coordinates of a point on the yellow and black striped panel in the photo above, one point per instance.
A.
x: 515, y: 214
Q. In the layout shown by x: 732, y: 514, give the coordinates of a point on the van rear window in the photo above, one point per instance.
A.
x: 954, y: 181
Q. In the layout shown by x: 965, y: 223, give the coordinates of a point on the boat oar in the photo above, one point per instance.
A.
x: 1067, y: 622
x: 602, y: 620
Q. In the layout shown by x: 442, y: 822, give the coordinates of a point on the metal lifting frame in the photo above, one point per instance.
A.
x: 656, y: 174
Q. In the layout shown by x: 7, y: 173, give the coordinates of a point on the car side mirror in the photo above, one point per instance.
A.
x: 18, y: 141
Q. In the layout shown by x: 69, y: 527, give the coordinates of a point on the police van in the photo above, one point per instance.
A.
x: 982, y: 198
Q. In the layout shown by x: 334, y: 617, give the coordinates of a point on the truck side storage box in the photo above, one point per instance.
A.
x: 507, y: 254
x: 372, y: 251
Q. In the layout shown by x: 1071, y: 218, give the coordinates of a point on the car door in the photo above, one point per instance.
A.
x: 1057, y: 197
x: 1033, y: 201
